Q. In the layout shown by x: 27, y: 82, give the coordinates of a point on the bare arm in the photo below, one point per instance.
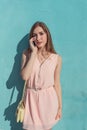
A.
x: 26, y: 66
x: 57, y: 81
x: 28, y: 60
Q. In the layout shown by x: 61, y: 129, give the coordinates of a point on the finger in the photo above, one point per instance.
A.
x: 32, y: 39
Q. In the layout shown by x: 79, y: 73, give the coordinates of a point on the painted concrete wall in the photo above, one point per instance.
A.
x: 67, y: 22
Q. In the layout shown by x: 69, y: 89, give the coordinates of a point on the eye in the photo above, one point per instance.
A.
x: 41, y: 33
x: 34, y: 35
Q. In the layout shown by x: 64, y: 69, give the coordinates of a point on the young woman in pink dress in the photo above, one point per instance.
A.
x: 40, y: 68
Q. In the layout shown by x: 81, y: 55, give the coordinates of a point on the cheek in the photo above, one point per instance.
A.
x: 45, y: 38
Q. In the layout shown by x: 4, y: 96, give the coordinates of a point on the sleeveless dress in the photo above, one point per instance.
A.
x: 41, y: 101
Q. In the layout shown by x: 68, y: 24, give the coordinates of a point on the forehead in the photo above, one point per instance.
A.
x: 38, y: 29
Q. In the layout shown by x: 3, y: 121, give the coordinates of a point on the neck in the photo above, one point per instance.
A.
x: 42, y: 50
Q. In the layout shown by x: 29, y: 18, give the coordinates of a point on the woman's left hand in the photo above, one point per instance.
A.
x: 59, y: 114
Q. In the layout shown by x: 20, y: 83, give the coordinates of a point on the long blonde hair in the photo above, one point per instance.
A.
x: 49, y: 44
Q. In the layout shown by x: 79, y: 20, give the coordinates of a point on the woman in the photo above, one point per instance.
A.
x: 40, y: 68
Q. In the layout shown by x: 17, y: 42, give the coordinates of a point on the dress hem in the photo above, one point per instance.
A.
x: 43, y: 127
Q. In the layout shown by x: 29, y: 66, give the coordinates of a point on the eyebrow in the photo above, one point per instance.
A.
x: 39, y: 32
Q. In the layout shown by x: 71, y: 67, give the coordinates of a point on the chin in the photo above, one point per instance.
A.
x: 40, y: 46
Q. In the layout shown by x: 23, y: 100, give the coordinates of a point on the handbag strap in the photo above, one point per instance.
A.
x: 24, y: 90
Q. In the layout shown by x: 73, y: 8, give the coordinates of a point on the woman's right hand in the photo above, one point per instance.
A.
x: 32, y: 46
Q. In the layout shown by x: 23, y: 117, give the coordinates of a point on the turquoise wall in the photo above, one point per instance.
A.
x: 67, y: 22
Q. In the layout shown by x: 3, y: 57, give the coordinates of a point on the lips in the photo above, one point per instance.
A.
x: 39, y: 42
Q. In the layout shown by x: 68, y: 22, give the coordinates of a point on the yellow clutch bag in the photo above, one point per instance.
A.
x: 21, y: 108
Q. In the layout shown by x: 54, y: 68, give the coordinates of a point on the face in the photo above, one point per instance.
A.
x: 40, y: 37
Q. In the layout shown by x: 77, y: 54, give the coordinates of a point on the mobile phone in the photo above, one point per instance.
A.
x: 34, y: 43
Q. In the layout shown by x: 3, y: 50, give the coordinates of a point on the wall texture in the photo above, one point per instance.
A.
x: 67, y: 22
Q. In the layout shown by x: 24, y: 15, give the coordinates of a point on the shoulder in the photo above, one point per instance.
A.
x: 58, y: 63
x: 58, y: 58
x: 57, y: 55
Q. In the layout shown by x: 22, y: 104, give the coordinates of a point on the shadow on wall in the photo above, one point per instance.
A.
x: 15, y: 82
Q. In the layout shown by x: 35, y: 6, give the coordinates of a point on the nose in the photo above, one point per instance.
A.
x: 38, y: 37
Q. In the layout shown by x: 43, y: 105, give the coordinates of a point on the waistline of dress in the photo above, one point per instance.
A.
x: 39, y: 88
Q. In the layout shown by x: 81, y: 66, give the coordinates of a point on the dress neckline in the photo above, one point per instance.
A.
x: 45, y: 59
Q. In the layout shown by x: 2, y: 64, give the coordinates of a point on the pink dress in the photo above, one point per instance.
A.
x: 41, y: 104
